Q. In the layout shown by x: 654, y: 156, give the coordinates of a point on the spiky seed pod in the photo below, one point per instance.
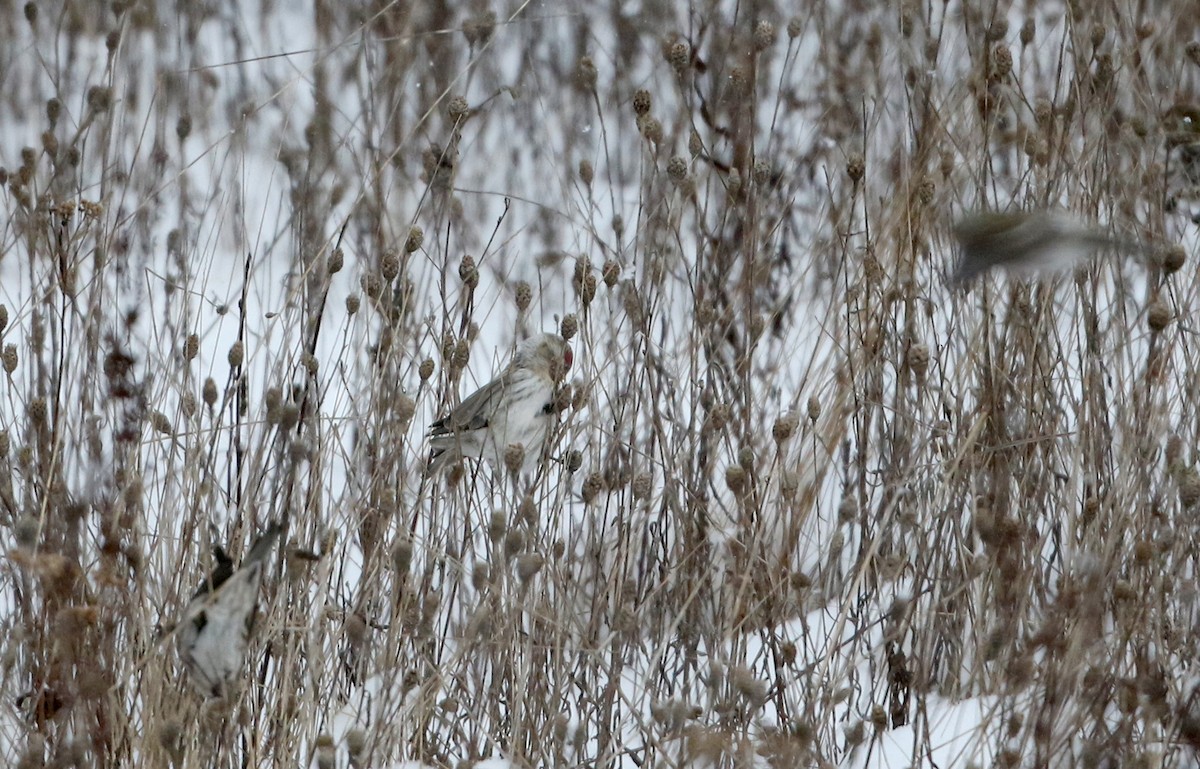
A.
x: 497, y: 526
x: 1173, y: 258
x: 335, y: 261
x: 679, y: 56
x: 528, y: 510
x: 389, y: 265
x: 161, y: 423
x: 642, y: 485
x: 1002, y: 61
x: 918, y: 359
x: 9, y: 357
x: 99, y: 99
x: 586, y: 172
x: 326, y: 755
x: 236, y: 354
x: 353, y: 303
x: 641, y: 102
x: 1027, y: 30
x: 405, y: 409
x: 514, y: 458
x: 764, y: 35
x: 1189, y: 488
x: 591, y: 487
x: 785, y: 427
x: 468, y: 272
x: 1159, y: 315
x: 998, y: 30
x: 652, y: 130
x: 457, y: 108
x: 529, y: 565
x: 209, y: 392
x: 795, y: 27
x: 856, y: 167
x: 191, y: 347
x: 586, y: 74
x: 3, y: 317
x: 402, y: 553
x: 735, y: 478
x: 514, y: 543
x: 677, y: 169
x: 356, y: 743
x: 574, y: 461
x: 425, y: 370
x: 524, y: 296
x: 416, y: 236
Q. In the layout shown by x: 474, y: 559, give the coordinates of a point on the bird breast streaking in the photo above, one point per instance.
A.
x: 517, y: 407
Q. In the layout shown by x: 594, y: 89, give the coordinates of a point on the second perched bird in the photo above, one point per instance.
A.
x: 1027, y: 242
x: 216, y: 625
x: 516, y: 407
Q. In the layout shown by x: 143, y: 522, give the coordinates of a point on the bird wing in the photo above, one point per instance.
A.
x: 473, y: 413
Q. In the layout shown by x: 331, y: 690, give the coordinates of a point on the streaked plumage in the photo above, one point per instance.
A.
x: 216, y: 625
x: 1026, y: 242
x: 515, y: 407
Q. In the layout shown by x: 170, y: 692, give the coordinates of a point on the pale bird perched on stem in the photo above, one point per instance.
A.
x: 216, y: 626
x: 517, y: 407
x: 1028, y: 242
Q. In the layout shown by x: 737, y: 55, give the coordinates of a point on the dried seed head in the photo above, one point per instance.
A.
x: 389, y: 265
x: 569, y: 327
x: 416, y: 236
x: 918, y: 359
x: 53, y: 110
x: 468, y: 272
x: 641, y: 102
x: 611, y: 272
x: 457, y: 108
x: 3, y: 317
x: 209, y: 392
x: 9, y: 357
x: 1159, y: 315
x: 785, y: 427
x: 586, y: 172
x: 1189, y: 488
x: 695, y: 145
x: 591, y: 487
x: 528, y: 510
x: 735, y: 478
x: 643, y: 484
x: 747, y: 685
x: 326, y: 755
x: 652, y: 130
x: 574, y: 461
x: 1172, y: 259
x: 480, y: 28
x: 425, y: 370
x: 356, y: 743
x: 99, y: 99
x: 998, y: 29
x: 514, y: 457
x: 191, y: 347
x: 764, y: 35
x: 310, y: 364
x: 335, y: 261
x: 497, y: 526
x: 679, y: 55
x: 1002, y: 61
x: 402, y: 553
x: 1027, y: 30
x: 585, y: 74
x: 236, y: 354
x: 856, y: 167
x: 718, y: 417
x: 1098, y: 35
x: 529, y: 565
x: 461, y: 356
x: 161, y: 423
x: 406, y: 408
x: 762, y: 173
x: 514, y: 543
x: 677, y: 169
x: 31, y: 13
x: 524, y: 295
x: 353, y: 302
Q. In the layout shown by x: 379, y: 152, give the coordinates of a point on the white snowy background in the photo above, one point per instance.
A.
x: 827, y: 510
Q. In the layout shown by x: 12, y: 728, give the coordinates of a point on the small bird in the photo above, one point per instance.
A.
x: 516, y: 407
x: 216, y: 626
x: 1027, y: 242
